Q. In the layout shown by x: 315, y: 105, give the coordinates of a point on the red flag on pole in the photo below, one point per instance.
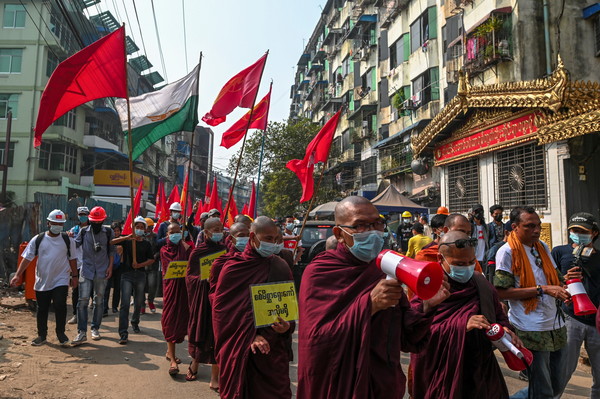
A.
x: 159, y: 199
x: 96, y: 71
x: 231, y: 213
x: 245, y: 210
x: 207, y: 192
x: 214, y: 197
x: 173, y: 197
x: 162, y: 207
x: 317, y: 151
x: 260, y: 116
x: 135, y: 211
x: 184, y: 190
x: 198, y: 213
x: 239, y: 91
x: 252, y: 206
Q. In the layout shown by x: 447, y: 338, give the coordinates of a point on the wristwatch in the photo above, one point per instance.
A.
x: 540, y: 291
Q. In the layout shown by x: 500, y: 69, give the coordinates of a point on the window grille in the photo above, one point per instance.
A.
x: 462, y: 185
x: 521, y: 174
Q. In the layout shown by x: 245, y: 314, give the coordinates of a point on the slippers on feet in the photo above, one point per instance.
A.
x: 173, y: 370
x: 191, y: 376
x: 214, y: 389
x: 177, y: 360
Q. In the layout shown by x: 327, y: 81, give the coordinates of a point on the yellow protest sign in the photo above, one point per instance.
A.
x: 177, y: 269
x: 270, y: 300
x: 206, y: 264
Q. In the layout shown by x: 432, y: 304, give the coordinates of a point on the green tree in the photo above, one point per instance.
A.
x: 280, y: 189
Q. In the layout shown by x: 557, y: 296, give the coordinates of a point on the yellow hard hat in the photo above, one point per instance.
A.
x: 150, y: 222
x: 406, y: 214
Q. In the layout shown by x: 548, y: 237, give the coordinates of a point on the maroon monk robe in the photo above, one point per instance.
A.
x: 287, y: 256
x: 243, y: 374
x: 175, y: 313
x: 200, y: 331
x: 343, y: 350
x: 215, y: 271
x: 456, y: 363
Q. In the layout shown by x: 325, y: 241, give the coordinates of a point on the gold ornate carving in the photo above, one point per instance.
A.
x: 546, y: 234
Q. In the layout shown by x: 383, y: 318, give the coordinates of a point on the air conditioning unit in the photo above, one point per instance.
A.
x: 409, y: 105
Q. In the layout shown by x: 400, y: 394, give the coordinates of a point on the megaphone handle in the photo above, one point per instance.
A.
x: 388, y: 277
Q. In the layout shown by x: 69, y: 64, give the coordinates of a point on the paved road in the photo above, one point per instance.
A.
x: 104, y: 369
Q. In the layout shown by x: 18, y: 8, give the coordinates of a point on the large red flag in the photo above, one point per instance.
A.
x: 239, y: 91
x: 260, y: 116
x: 252, y: 206
x: 173, y: 197
x: 317, y: 151
x: 97, y: 71
x: 136, y: 209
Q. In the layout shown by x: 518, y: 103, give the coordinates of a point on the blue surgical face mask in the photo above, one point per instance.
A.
x: 83, y: 219
x: 279, y: 248
x: 56, y: 228
x: 185, y: 234
x: 267, y: 249
x: 460, y: 274
x: 580, y: 239
x: 289, y: 226
x: 216, y: 237
x: 367, y: 245
x: 139, y: 232
x: 175, y: 215
x: 175, y: 238
x: 240, y: 243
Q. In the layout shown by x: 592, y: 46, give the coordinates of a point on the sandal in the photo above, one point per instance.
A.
x: 214, y: 389
x: 177, y: 360
x: 191, y: 376
x: 173, y: 371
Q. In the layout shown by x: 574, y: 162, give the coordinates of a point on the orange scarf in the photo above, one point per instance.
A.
x: 522, y: 269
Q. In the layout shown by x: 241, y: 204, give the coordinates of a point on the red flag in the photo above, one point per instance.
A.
x: 252, y: 206
x: 239, y: 91
x: 173, y: 197
x: 260, y: 116
x: 184, y: 192
x: 317, y: 151
x: 232, y: 211
x: 245, y: 210
x: 207, y: 192
x: 198, y: 213
x: 95, y: 72
x: 159, y: 199
x: 214, y: 197
x: 136, y: 209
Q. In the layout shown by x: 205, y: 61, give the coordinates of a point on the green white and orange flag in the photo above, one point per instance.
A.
x: 154, y: 115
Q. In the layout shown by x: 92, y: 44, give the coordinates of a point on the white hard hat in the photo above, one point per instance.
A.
x: 140, y: 219
x: 83, y: 209
x: 175, y: 206
x: 57, y: 216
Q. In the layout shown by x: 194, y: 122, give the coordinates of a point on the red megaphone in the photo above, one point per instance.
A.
x: 515, y: 357
x: 423, y: 278
x: 582, y: 305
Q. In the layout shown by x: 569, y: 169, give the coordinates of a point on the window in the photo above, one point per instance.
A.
x: 369, y: 81
x: 58, y: 156
x: 462, y: 185
x: 423, y: 29
x: 346, y: 140
x: 11, y: 153
x: 67, y: 119
x: 14, y: 16
x: 426, y: 87
x: 10, y: 60
x: 346, y: 66
x: 400, y: 51
x: 369, y: 171
x: 9, y: 102
x: 521, y: 174
x: 51, y: 64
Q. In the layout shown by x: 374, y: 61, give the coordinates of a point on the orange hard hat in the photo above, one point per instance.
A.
x: 97, y: 214
x: 442, y: 210
x: 149, y: 222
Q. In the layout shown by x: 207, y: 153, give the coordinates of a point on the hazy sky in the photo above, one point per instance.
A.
x: 232, y: 34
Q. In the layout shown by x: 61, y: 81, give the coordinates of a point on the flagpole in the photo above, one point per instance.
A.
x: 237, y: 168
x: 130, y: 149
x: 187, y: 178
x: 310, y: 204
x: 262, y: 149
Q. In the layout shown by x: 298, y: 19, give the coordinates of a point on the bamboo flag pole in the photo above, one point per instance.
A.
x: 237, y: 168
x: 184, y: 215
x: 130, y: 149
x: 310, y: 204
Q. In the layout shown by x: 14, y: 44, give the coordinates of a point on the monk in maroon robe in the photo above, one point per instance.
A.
x: 174, y: 319
x: 458, y: 361
x: 200, y: 331
x: 353, y: 322
x: 239, y: 234
x: 254, y: 362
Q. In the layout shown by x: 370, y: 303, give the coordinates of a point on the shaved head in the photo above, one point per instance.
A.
x: 452, y: 255
x: 174, y: 228
x: 449, y: 237
x: 239, y: 230
x: 213, y: 224
x: 457, y: 222
x: 264, y: 229
x: 243, y: 219
x: 349, y: 205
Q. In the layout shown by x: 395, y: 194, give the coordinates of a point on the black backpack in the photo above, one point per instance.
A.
x: 40, y: 237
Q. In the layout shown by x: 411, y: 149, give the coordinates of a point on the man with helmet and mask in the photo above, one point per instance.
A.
x: 82, y: 214
x: 97, y: 262
x: 583, y: 233
x: 56, y: 270
x: 347, y: 306
x: 404, y: 232
x: 161, y: 235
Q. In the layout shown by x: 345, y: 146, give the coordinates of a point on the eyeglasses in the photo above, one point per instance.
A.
x: 361, y: 227
x: 536, y: 255
x: 462, y: 243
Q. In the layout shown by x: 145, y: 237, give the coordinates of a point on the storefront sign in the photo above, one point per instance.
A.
x: 119, y: 178
x: 508, y: 133
x: 272, y: 300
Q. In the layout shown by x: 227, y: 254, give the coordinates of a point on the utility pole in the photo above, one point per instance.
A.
x: 4, y: 166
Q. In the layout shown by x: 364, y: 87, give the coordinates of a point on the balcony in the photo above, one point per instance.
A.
x: 390, y: 9
x: 489, y: 44
x: 362, y: 133
x: 395, y: 159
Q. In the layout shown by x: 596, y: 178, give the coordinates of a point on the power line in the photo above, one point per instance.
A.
x: 187, y: 69
x: 162, y: 58
x: 139, y: 27
x: 38, y: 29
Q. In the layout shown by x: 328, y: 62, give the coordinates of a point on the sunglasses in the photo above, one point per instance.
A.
x: 536, y: 255
x: 463, y: 243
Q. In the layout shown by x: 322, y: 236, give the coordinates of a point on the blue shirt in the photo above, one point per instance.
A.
x: 95, y: 264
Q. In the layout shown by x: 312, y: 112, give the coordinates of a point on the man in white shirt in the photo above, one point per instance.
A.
x: 56, y: 267
x: 527, y: 277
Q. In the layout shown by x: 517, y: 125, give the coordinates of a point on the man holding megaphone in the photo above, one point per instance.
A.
x: 458, y: 361
x: 353, y: 322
